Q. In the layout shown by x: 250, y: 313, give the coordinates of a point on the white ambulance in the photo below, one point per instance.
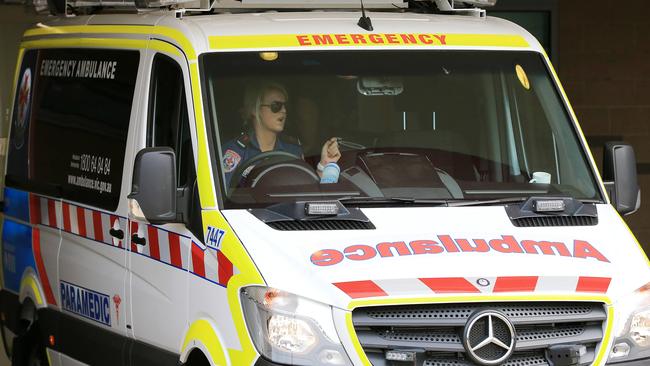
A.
x: 309, y: 183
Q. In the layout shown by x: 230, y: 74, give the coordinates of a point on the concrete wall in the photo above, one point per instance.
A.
x: 604, y: 64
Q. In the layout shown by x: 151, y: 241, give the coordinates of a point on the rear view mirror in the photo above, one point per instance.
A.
x: 380, y: 86
x: 154, y: 184
x: 619, y: 173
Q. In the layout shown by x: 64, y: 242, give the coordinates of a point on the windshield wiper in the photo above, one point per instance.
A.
x: 392, y: 200
x: 505, y: 200
x: 496, y: 201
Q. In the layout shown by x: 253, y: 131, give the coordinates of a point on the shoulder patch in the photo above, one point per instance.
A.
x: 230, y: 160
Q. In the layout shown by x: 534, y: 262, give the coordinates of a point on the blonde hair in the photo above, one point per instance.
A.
x: 253, y: 99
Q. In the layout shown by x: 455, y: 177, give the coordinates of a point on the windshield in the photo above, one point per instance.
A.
x: 388, y: 125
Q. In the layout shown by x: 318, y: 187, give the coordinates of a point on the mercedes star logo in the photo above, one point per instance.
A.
x: 489, y: 337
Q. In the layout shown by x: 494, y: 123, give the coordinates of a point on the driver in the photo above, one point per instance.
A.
x: 265, y: 115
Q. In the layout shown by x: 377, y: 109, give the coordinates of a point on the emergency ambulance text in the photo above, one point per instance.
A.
x: 91, y: 69
x: 506, y: 244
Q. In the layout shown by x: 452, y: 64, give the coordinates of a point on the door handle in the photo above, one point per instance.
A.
x: 117, y: 233
x: 138, y: 239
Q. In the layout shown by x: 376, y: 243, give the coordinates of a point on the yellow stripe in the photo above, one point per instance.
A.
x: 103, y: 43
x: 202, y: 331
x: 355, y: 340
x: 205, y: 181
x: 86, y: 43
x: 171, y: 33
x: 248, y: 275
x: 29, y: 281
x: 477, y: 298
x: 604, y: 344
x: 356, y: 40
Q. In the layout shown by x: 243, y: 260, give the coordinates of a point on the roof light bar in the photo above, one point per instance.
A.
x: 460, y: 6
x: 308, y: 4
x: 456, y: 6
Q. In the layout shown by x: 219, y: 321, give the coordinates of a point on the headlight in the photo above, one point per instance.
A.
x: 633, y: 332
x: 292, y: 330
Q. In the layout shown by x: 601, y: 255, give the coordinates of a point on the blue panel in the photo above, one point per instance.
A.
x: 17, y: 204
x: 17, y: 254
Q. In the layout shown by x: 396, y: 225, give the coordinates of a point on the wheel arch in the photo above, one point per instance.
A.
x: 203, y: 336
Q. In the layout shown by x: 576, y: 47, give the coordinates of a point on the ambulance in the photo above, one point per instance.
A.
x: 167, y: 201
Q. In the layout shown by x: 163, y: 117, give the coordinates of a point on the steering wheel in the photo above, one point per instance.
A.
x: 275, y: 159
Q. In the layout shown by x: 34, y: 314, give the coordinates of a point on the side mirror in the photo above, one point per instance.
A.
x: 154, y: 184
x: 619, y: 173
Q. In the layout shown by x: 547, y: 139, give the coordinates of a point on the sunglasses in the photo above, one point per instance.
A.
x: 275, y: 106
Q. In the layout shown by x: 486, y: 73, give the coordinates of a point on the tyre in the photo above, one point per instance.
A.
x: 28, y: 348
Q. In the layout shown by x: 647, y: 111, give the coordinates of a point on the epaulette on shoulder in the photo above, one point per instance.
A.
x: 290, y: 140
x: 244, y: 140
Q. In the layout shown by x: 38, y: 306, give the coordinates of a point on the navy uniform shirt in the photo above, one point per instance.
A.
x: 239, y: 150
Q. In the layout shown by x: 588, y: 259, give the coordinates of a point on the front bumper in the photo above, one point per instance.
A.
x: 640, y: 362
x: 264, y: 362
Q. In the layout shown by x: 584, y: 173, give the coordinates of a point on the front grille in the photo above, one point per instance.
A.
x: 516, y: 360
x: 435, y: 330
x: 543, y: 221
x: 304, y: 225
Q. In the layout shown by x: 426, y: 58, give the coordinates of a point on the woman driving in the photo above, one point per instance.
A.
x: 265, y: 115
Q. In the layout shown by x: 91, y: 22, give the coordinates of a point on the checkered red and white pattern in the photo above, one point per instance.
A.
x: 473, y: 285
x: 161, y: 245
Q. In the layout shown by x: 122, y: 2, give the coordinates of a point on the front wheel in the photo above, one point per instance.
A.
x: 28, y: 348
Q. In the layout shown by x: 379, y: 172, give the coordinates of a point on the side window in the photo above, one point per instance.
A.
x: 168, y: 122
x: 168, y: 126
x: 70, y: 127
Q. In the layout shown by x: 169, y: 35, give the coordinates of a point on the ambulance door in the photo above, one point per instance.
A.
x: 160, y: 254
x: 93, y: 212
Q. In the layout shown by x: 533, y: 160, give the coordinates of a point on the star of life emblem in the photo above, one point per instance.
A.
x: 24, y: 100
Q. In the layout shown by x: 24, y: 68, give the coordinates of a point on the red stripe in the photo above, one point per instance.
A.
x: 111, y: 222
x: 134, y: 231
x: 66, y: 217
x: 81, y: 221
x: 51, y: 213
x: 175, y: 250
x: 198, y: 260
x: 154, y: 247
x: 593, y: 284
x: 515, y: 284
x: 225, y: 268
x: 361, y: 289
x: 45, y: 282
x: 97, y: 226
x: 449, y: 285
x: 34, y: 209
